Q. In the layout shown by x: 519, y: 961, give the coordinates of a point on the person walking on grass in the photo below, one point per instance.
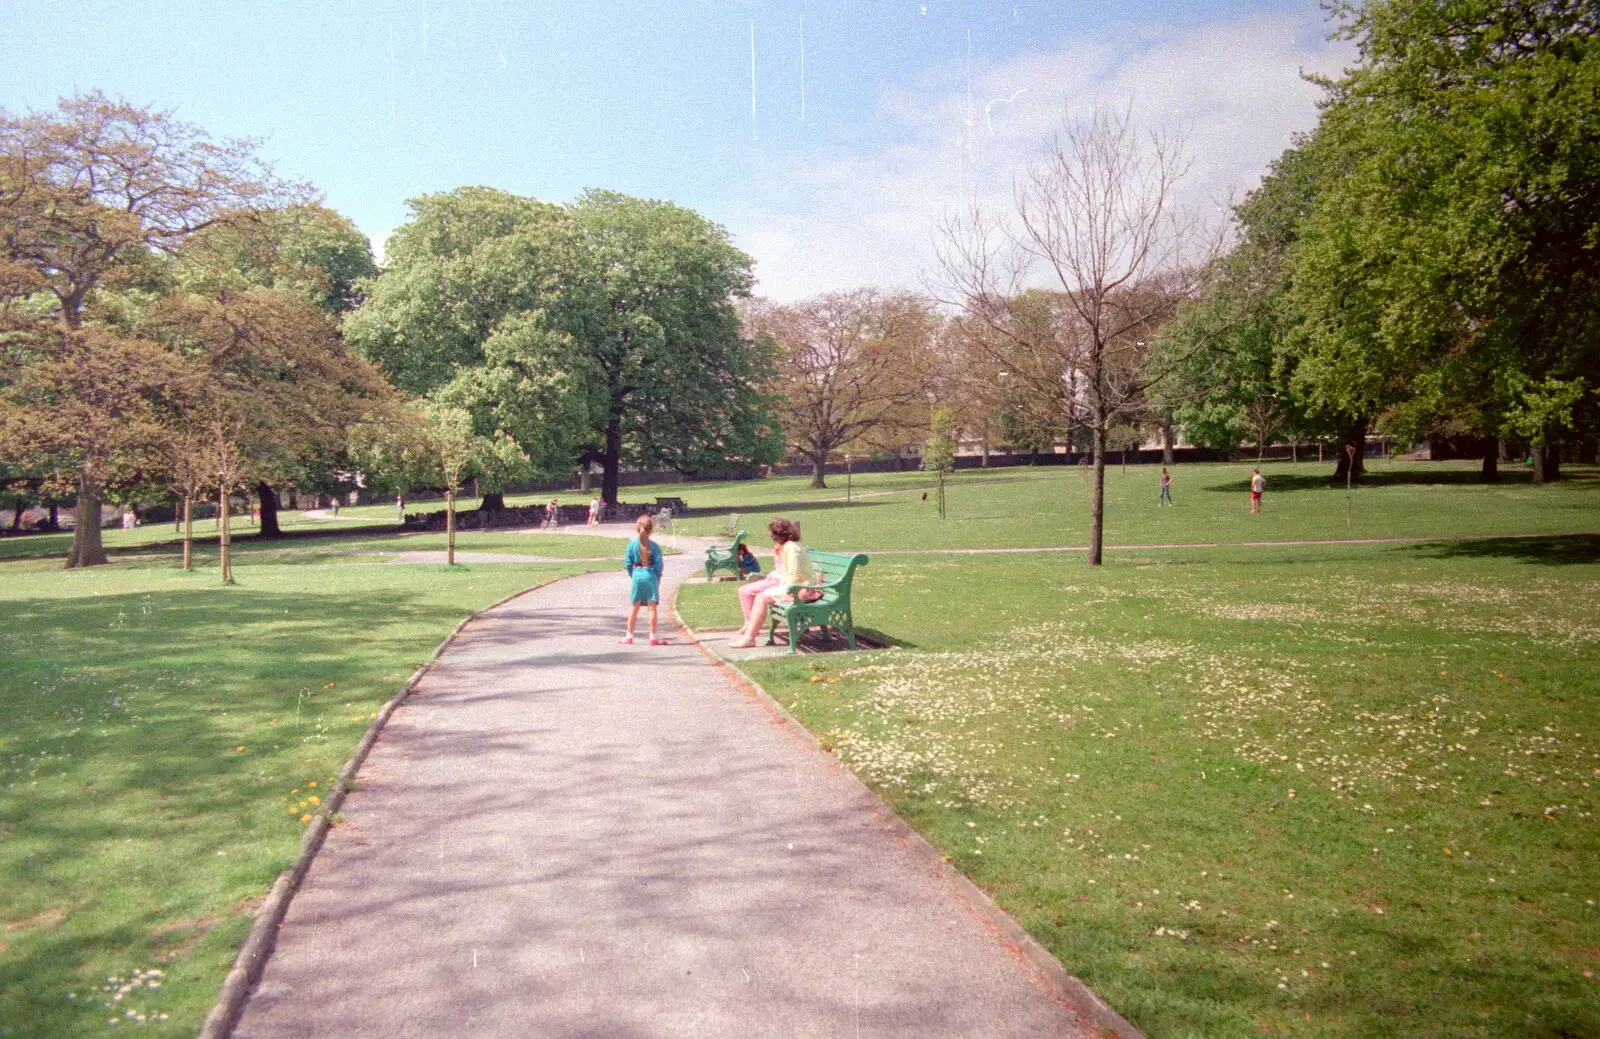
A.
x: 1258, y: 483
x: 643, y: 563
x: 1166, y: 488
x: 791, y: 564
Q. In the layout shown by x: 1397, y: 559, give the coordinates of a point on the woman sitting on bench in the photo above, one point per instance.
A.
x: 791, y: 564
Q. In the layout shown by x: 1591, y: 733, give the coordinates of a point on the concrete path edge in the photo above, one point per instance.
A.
x: 257, y: 948
x: 1072, y: 991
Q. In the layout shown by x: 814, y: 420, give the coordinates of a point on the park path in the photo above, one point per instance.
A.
x: 560, y: 836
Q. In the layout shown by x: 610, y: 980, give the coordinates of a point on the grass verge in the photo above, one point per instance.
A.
x: 1323, y: 791
x: 164, y: 741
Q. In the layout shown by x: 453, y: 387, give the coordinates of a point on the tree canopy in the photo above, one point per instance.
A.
x: 604, y: 330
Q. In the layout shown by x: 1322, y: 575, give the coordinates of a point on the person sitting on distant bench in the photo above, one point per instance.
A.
x: 749, y: 565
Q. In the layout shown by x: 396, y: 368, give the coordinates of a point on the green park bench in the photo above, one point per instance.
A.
x: 724, y: 558
x: 836, y: 570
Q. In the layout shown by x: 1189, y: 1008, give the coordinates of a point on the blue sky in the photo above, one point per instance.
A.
x: 376, y: 102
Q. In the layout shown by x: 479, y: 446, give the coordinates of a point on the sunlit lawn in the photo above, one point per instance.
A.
x: 161, y: 739
x: 1320, y: 791
x: 1019, y: 508
x: 310, y: 546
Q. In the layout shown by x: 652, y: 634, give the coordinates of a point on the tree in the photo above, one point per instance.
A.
x: 1097, y: 216
x: 86, y: 405
x: 849, y: 367
x: 88, y: 194
x: 940, y: 455
x: 270, y: 381
x: 680, y: 386
x: 314, y: 256
x: 620, y: 308
x: 1449, y: 270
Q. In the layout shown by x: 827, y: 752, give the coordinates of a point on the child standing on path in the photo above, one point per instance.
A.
x: 643, y: 563
x: 1166, y: 488
x: 1258, y: 483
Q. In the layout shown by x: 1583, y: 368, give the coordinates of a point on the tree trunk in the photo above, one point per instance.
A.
x: 984, y: 451
x: 87, y: 547
x: 819, y: 471
x: 1491, y: 461
x: 1097, y: 498
x: 1546, y: 463
x: 225, y: 531
x: 188, y: 534
x: 1357, y: 436
x: 449, y: 528
x: 613, y: 460
x: 1166, y: 441
x: 494, y: 501
x: 1294, y: 450
x: 16, y: 515
x: 269, y: 511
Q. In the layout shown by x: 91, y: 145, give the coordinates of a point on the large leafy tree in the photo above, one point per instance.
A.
x: 89, y: 193
x: 603, y: 330
x: 680, y: 385
x: 306, y: 254
x: 1453, y: 269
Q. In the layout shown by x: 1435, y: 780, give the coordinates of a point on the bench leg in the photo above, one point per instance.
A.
x: 772, y: 631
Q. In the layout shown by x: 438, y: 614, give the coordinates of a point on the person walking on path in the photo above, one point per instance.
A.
x: 1258, y: 483
x: 643, y: 563
x: 400, y: 507
x: 1166, y: 488
x: 594, y: 512
x: 791, y: 564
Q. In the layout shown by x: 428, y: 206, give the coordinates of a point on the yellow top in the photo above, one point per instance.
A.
x: 793, y: 564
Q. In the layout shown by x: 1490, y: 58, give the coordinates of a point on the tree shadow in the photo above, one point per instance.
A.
x: 1563, y: 550
x: 1377, y: 475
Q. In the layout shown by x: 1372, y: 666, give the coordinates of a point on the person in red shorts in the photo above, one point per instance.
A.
x: 1258, y: 483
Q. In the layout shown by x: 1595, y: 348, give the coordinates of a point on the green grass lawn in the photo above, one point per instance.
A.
x: 1021, y: 508
x: 45, y: 551
x: 163, y: 739
x: 1319, y: 791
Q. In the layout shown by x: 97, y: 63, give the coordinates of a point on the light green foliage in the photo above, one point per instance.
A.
x: 940, y: 454
x: 941, y: 451
x: 1459, y: 245
x: 603, y: 327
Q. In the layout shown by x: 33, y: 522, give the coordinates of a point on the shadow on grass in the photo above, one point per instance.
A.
x: 1561, y: 550
x: 750, y: 514
x: 879, y: 638
x: 1378, y: 476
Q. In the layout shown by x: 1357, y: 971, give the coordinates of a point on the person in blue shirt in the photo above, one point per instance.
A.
x: 643, y: 563
x: 749, y: 565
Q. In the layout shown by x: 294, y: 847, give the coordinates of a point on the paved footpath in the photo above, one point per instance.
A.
x: 561, y: 836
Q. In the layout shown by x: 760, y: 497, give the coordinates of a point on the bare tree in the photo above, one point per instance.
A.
x: 849, y: 365
x: 1097, y: 220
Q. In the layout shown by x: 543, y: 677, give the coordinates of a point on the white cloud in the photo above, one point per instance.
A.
x: 816, y: 222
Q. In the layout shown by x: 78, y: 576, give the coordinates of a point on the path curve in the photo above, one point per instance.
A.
x: 560, y: 836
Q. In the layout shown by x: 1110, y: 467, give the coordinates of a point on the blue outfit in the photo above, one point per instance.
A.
x: 646, y: 579
x: 749, y: 564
